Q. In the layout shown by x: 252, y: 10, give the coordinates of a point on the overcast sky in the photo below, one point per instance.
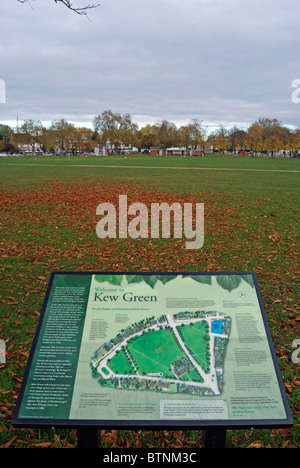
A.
x: 220, y: 61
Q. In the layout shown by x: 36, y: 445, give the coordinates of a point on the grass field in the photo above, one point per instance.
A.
x: 48, y: 221
x: 120, y: 364
x: 193, y: 337
x: 148, y: 353
x: 208, y: 161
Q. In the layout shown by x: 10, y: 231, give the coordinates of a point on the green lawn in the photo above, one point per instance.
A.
x: 119, y: 364
x: 48, y: 222
x: 149, y: 357
x: 194, y: 338
x: 207, y: 161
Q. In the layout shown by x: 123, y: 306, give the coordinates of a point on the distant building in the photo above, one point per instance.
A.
x: 176, y: 151
x: 156, y: 151
x: 30, y: 149
x: 181, y: 367
x: 164, y: 386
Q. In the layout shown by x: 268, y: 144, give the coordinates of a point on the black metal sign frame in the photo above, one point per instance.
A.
x: 82, y: 425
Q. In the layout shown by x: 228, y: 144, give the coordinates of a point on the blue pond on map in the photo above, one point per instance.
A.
x: 217, y: 326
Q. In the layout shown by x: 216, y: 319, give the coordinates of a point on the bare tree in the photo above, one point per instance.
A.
x: 79, y: 10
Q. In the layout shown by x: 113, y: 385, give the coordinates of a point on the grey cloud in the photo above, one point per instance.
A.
x: 220, y: 61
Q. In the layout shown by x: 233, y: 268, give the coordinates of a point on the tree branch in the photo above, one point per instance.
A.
x: 69, y: 5
x: 79, y: 11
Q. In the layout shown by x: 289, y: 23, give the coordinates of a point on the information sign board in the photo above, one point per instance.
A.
x: 152, y: 350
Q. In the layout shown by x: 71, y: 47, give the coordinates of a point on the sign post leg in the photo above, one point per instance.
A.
x: 88, y: 438
x: 214, y: 438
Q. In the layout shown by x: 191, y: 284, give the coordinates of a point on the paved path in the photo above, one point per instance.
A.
x: 156, y: 167
x: 209, y: 380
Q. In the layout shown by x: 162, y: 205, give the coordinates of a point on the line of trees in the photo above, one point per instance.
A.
x: 33, y: 137
x: 263, y: 136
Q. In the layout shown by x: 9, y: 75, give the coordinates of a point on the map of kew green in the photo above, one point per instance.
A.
x: 180, y: 353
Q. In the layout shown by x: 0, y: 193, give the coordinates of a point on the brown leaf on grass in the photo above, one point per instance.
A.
x: 245, y: 243
x: 288, y: 387
x: 282, y: 432
x: 8, y: 444
x: 16, y: 377
x: 43, y: 445
x: 138, y: 443
x: 5, y: 404
x: 111, y: 437
x: 256, y: 444
x: 177, y: 434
